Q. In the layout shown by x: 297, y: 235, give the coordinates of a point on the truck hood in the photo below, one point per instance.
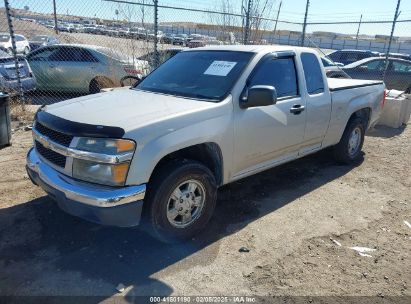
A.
x: 127, y: 109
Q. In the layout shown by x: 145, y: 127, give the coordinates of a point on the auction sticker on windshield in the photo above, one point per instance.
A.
x: 220, y: 68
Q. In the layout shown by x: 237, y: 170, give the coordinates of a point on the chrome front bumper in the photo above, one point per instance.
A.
x: 92, y: 202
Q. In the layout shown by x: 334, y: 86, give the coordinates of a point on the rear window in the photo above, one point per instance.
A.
x: 313, y: 73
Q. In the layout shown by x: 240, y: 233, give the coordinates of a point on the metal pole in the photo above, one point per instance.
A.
x: 156, y: 55
x: 305, y: 22
x: 247, y: 22
x: 358, y: 32
x: 278, y: 14
x: 14, y: 51
x: 55, y: 17
x: 392, y: 34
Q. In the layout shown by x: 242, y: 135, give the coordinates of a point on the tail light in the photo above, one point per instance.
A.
x: 384, y: 98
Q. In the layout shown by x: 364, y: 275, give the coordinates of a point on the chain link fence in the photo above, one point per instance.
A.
x: 52, y: 50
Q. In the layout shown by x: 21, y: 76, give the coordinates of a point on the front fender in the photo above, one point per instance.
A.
x: 217, y: 130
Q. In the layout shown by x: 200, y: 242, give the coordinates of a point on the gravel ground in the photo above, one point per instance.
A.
x: 297, y: 221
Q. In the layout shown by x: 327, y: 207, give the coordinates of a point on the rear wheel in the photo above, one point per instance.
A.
x: 180, y: 200
x: 350, y: 145
x: 99, y: 83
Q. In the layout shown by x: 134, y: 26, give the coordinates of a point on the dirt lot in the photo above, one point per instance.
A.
x: 287, y: 217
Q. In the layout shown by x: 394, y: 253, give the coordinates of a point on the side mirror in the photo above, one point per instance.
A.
x: 259, y: 96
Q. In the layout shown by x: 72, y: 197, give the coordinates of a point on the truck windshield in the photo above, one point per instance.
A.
x: 207, y: 75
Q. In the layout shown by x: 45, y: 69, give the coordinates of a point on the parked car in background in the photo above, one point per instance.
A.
x: 22, y: 44
x: 397, y: 77
x: 349, y: 56
x: 180, y: 39
x: 42, y: 40
x: 81, y: 68
x: 169, y: 38
x: 78, y: 28
x: 196, y: 43
x: 398, y: 55
x: 164, y: 55
x: 333, y: 69
x: 8, y: 74
x: 160, y: 36
x: 65, y: 28
x: 123, y: 32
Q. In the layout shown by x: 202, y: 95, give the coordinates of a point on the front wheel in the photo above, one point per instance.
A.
x: 349, y: 148
x: 180, y: 200
x: 26, y: 50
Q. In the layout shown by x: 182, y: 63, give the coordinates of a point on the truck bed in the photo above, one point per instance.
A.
x: 338, y: 84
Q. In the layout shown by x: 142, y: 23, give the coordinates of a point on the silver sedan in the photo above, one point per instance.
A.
x: 76, y: 68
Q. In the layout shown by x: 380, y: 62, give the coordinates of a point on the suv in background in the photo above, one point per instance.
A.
x: 349, y: 56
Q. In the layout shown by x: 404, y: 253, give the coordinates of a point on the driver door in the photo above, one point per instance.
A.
x: 267, y: 135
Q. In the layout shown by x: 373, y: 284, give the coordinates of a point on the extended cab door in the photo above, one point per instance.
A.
x: 318, y: 103
x: 269, y: 134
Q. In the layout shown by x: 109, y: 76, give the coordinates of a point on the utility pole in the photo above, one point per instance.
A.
x: 358, y: 32
x: 397, y: 14
x: 156, y: 54
x: 55, y: 17
x: 305, y: 22
x: 278, y: 15
x: 247, y: 22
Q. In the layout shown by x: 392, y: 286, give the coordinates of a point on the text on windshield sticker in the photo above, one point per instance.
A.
x: 220, y: 68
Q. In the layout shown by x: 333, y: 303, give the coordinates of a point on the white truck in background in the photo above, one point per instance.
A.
x: 205, y: 118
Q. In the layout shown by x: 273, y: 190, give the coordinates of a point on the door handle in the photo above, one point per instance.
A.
x: 52, y: 66
x: 297, y: 109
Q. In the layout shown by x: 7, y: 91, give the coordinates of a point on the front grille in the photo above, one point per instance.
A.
x: 58, y: 137
x: 50, y: 155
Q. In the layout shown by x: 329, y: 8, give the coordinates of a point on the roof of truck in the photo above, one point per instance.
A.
x: 252, y: 48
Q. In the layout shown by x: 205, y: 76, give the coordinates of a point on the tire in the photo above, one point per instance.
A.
x: 26, y: 50
x: 347, y: 151
x: 99, y: 83
x: 160, y: 199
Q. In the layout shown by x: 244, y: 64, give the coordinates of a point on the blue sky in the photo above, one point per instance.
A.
x: 292, y: 10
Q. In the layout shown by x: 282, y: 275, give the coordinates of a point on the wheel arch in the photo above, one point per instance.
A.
x: 209, y: 154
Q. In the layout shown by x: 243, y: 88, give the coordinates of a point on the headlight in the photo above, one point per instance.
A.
x: 103, y: 173
x: 105, y: 146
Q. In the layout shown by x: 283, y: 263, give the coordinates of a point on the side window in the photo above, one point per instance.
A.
x: 86, y: 56
x: 41, y: 55
x: 399, y: 66
x: 352, y: 57
x: 375, y: 65
x: 313, y: 73
x: 279, y: 73
x: 69, y: 54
